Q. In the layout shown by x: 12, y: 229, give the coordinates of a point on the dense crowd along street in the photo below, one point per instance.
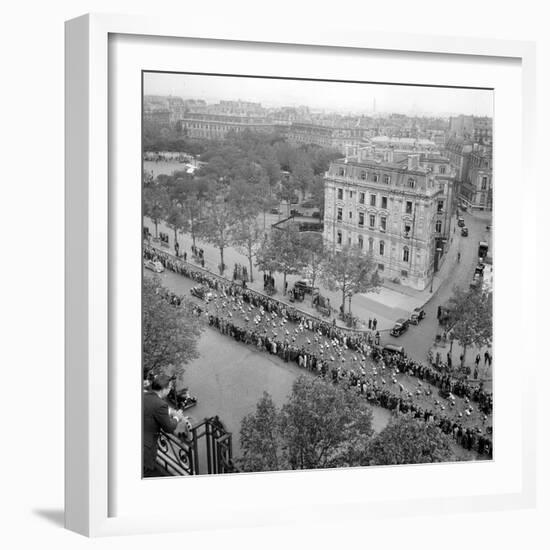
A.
x: 349, y: 358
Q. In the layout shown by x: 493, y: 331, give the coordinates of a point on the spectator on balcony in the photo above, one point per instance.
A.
x: 157, y: 415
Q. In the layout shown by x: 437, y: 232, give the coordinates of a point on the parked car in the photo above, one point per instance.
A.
x: 202, y: 292
x: 305, y: 286
x: 154, y: 265
x: 401, y: 325
x: 464, y: 231
x: 417, y: 315
x: 274, y: 211
x: 461, y: 222
x: 480, y: 269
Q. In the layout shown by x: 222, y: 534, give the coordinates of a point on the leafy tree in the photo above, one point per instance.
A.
x: 302, y: 174
x: 351, y: 271
x: 170, y: 334
x: 247, y: 236
x: 324, y: 426
x: 282, y: 252
x: 261, y: 441
x: 320, y: 426
x: 175, y: 219
x: 409, y: 441
x: 217, y: 227
x: 314, y: 252
x: 155, y: 203
x: 318, y: 195
x: 471, y: 318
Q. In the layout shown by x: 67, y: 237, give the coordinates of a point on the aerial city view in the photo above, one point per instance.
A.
x: 317, y: 274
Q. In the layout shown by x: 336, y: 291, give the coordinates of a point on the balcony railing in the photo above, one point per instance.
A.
x: 206, y: 449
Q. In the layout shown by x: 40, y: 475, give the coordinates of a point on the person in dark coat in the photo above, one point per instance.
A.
x: 157, y: 415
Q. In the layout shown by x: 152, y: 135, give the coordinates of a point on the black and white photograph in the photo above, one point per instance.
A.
x: 317, y: 278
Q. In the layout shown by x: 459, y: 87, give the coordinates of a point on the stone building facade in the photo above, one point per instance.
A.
x: 389, y: 210
x: 217, y: 125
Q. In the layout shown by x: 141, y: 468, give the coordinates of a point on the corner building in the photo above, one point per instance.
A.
x: 396, y: 211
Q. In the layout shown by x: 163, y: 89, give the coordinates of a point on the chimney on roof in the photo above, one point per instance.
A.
x: 413, y: 162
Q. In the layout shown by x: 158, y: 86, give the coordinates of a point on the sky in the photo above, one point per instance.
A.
x: 341, y: 97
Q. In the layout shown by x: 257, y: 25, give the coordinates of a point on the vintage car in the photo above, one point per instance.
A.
x: 401, y: 325
x: 181, y: 399
x: 202, y: 292
x: 464, y: 231
x: 305, y: 286
x: 274, y: 211
x: 154, y: 265
x: 417, y: 315
x: 480, y: 268
x: 461, y: 222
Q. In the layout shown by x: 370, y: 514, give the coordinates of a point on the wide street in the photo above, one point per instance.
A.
x: 229, y: 377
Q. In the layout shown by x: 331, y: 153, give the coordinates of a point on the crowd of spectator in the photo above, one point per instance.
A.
x: 345, y: 357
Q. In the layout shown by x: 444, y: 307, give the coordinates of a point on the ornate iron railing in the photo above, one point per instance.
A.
x: 206, y: 449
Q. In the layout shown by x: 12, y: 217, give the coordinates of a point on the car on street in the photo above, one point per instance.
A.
x: 305, y: 286
x: 274, y: 211
x: 400, y: 326
x: 417, y: 315
x: 483, y: 249
x: 464, y: 231
x: 480, y: 269
x: 461, y: 222
x: 154, y: 265
x: 203, y: 292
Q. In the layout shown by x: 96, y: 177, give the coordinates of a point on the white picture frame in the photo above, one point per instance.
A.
x: 89, y: 460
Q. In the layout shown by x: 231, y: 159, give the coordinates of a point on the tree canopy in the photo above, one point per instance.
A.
x: 350, y: 271
x: 471, y: 317
x: 282, y: 252
x: 170, y: 333
x: 408, y: 440
x: 320, y: 426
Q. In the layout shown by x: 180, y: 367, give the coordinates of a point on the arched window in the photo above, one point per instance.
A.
x: 405, y: 253
x: 381, y: 248
x: 438, y: 226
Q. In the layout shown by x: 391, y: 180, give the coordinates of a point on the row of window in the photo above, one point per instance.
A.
x: 383, y: 222
x: 374, y: 177
x: 405, y: 255
x: 383, y: 200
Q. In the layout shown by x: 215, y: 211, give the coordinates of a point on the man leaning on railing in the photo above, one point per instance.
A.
x: 157, y: 415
